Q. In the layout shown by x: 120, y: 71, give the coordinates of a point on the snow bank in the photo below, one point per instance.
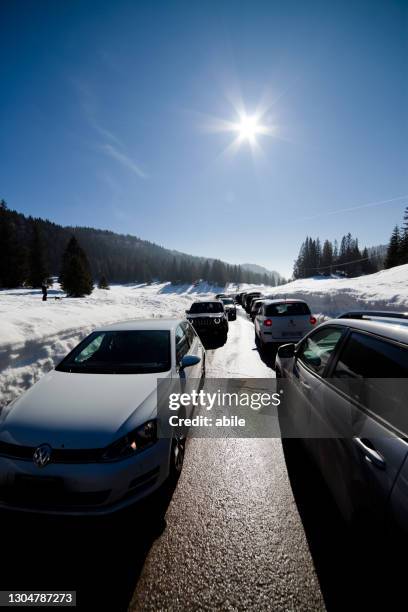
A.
x: 385, y: 290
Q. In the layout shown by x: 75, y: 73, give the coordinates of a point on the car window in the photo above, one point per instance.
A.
x: 206, y: 307
x: 120, y: 352
x: 316, y: 350
x: 374, y: 373
x: 288, y: 309
x: 182, y: 344
x: 364, y: 356
x: 190, y: 333
x: 227, y: 301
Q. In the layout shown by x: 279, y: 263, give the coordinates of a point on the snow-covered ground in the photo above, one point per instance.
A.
x: 34, y: 335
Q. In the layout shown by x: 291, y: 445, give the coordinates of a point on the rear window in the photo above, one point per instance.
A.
x: 206, y: 307
x: 288, y: 309
x: 227, y: 301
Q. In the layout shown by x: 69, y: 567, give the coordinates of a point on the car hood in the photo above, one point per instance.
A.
x: 208, y: 315
x: 69, y: 410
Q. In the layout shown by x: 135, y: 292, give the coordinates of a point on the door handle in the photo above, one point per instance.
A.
x: 370, y: 453
x: 304, y: 384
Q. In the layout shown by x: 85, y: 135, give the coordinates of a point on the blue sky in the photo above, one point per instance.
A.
x: 108, y: 111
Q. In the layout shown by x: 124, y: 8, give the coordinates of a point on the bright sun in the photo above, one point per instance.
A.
x: 248, y: 127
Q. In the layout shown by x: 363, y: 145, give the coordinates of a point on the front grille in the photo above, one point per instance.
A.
x: 42, y: 493
x: 58, y: 455
x: 205, y: 322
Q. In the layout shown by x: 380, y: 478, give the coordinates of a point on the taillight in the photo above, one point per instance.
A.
x: 313, y: 320
x: 267, y: 322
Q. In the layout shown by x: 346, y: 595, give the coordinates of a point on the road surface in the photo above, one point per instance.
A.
x: 233, y: 538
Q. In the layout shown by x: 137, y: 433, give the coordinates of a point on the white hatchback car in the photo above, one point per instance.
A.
x: 281, y: 321
x: 83, y: 439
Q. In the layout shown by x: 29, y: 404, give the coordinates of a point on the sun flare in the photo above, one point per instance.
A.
x: 248, y: 127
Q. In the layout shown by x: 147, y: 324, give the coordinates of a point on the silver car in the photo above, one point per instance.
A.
x: 347, y: 382
x: 282, y: 320
x: 84, y: 439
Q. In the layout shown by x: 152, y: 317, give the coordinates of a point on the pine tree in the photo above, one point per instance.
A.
x: 75, y: 276
x: 103, y: 283
x: 13, y: 256
x: 38, y: 268
x: 393, y: 257
x: 327, y: 258
x: 404, y: 239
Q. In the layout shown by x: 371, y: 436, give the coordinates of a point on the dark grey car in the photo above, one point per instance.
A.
x: 348, y: 395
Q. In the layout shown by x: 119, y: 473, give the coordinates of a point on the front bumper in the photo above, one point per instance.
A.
x: 208, y: 327
x: 83, y: 489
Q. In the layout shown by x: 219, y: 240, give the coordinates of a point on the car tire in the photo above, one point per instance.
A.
x: 177, y: 453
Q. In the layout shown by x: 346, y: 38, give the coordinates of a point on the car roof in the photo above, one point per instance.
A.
x: 206, y: 301
x: 142, y: 324
x: 284, y: 301
x: 392, y: 328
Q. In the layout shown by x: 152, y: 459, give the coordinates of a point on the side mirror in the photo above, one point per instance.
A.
x: 286, y: 351
x: 188, y: 361
x: 187, y: 311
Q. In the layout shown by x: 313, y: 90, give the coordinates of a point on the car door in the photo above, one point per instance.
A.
x: 360, y: 464
x: 259, y: 320
x: 312, y: 358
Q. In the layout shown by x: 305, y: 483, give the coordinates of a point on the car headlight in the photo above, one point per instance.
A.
x: 134, y: 442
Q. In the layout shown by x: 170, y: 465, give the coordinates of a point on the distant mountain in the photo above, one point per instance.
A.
x: 118, y: 257
x: 256, y: 269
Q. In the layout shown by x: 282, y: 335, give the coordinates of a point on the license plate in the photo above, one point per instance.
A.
x: 291, y: 334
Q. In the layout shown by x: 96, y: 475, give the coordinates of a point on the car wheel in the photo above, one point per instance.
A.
x: 178, y: 446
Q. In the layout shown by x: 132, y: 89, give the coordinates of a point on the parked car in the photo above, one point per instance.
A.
x: 278, y: 321
x: 230, y: 308
x: 83, y: 439
x: 209, y: 318
x: 255, y: 307
x: 349, y: 384
x: 247, y: 299
x: 241, y: 297
x: 251, y: 300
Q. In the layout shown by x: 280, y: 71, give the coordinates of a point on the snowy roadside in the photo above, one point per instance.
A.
x: 385, y: 290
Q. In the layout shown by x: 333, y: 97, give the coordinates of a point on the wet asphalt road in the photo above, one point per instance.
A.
x: 233, y: 538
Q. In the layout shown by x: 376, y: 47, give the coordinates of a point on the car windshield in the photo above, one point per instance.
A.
x: 120, y: 352
x: 206, y: 307
x: 287, y: 309
x: 227, y: 301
